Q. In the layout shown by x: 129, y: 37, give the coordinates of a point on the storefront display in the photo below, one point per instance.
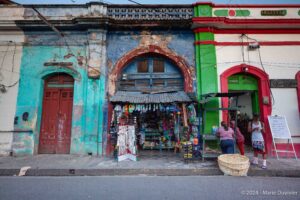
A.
x: 155, y: 127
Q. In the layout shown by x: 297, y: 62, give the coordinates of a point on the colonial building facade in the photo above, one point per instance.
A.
x: 64, y: 66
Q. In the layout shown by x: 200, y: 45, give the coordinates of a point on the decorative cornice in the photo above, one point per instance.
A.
x: 247, y: 31
x: 247, y: 5
x: 241, y: 23
x: 150, y: 13
x: 261, y: 43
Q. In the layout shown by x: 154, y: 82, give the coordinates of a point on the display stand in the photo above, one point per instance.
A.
x: 187, y: 148
x: 207, y: 98
x: 204, y: 153
x: 280, y: 130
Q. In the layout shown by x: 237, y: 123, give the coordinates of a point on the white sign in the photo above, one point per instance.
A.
x: 279, y: 127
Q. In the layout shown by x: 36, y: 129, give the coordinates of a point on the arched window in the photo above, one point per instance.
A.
x: 151, y: 73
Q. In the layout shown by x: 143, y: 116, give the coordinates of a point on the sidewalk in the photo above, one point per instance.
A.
x: 70, y: 165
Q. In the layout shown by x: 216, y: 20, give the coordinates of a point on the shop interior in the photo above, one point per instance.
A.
x: 159, y: 127
x: 247, y: 105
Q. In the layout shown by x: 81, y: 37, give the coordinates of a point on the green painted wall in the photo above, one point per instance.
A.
x: 242, y: 82
x: 245, y: 83
x: 207, y: 77
x: 238, y: 13
x: 202, y: 11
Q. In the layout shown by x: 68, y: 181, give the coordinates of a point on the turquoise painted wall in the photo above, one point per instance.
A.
x: 87, y: 117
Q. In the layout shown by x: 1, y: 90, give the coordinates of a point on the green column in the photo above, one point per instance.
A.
x: 202, y: 10
x: 207, y: 79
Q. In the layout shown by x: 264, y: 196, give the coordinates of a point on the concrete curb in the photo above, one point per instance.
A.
x: 146, y: 172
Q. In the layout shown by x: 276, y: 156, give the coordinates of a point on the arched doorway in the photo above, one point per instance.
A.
x: 264, y: 99
x: 247, y: 103
x: 55, y: 132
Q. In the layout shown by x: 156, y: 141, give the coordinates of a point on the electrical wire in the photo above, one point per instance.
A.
x: 5, y: 53
x: 262, y: 65
x: 9, y: 86
x: 243, y: 49
x: 13, y: 57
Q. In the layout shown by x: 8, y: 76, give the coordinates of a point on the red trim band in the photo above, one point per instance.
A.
x: 228, y: 21
x: 247, y: 5
x: 298, y: 89
x: 280, y: 43
x: 247, y: 31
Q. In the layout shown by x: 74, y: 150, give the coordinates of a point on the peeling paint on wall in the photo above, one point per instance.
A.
x: 179, y: 44
x: 87, y: 108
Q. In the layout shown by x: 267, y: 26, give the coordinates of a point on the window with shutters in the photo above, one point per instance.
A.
x: 151, y: 73
x: 158, y: 66
x: 142, y: 66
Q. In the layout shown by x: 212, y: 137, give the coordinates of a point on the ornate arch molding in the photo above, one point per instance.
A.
x: 51, y: 70
x: 128, y: 57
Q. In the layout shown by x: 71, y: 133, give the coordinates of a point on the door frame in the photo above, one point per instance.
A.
x: 44, y: 85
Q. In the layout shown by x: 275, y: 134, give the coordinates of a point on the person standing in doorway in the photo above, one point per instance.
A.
x: 240, y: 139
x: 256, y: 128
x: 226, y: 136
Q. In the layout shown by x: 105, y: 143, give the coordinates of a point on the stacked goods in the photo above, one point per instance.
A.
x: 187, y: 148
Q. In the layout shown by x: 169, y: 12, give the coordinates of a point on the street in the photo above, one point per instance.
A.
x: 148, y: 187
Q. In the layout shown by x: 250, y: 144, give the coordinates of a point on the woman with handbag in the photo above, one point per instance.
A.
x: 240, y: 139
x: 256, y: 128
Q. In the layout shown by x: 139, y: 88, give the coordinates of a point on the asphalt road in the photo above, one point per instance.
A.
x: 148, y: 188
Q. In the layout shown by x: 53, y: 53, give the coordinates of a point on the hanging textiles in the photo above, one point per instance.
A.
x: 126, y: 143
x: 138, y: 97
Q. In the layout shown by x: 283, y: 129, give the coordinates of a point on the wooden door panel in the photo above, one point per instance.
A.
x: 49, y: 118
x: 55, y: 134
x: 64, y: 121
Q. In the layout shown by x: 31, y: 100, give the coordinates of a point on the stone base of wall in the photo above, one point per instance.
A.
x: 23, y: 143
x: 6, y: 143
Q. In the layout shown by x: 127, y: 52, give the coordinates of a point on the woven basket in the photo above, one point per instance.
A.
x: 234, y: 164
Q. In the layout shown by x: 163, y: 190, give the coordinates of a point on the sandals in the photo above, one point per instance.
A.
x: 264, y: 166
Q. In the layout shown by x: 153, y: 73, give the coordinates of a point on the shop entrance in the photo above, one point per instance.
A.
x: 247, y: 103
x: 150, y: 96
x: 159, y: 127
x: 55, y: 134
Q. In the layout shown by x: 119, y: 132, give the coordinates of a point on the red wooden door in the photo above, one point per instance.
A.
x: 55, y: 134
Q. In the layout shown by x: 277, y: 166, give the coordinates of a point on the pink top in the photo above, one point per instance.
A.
x: 225, y: 135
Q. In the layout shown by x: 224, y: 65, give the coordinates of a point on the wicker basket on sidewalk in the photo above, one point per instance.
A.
x: 234, y: 164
